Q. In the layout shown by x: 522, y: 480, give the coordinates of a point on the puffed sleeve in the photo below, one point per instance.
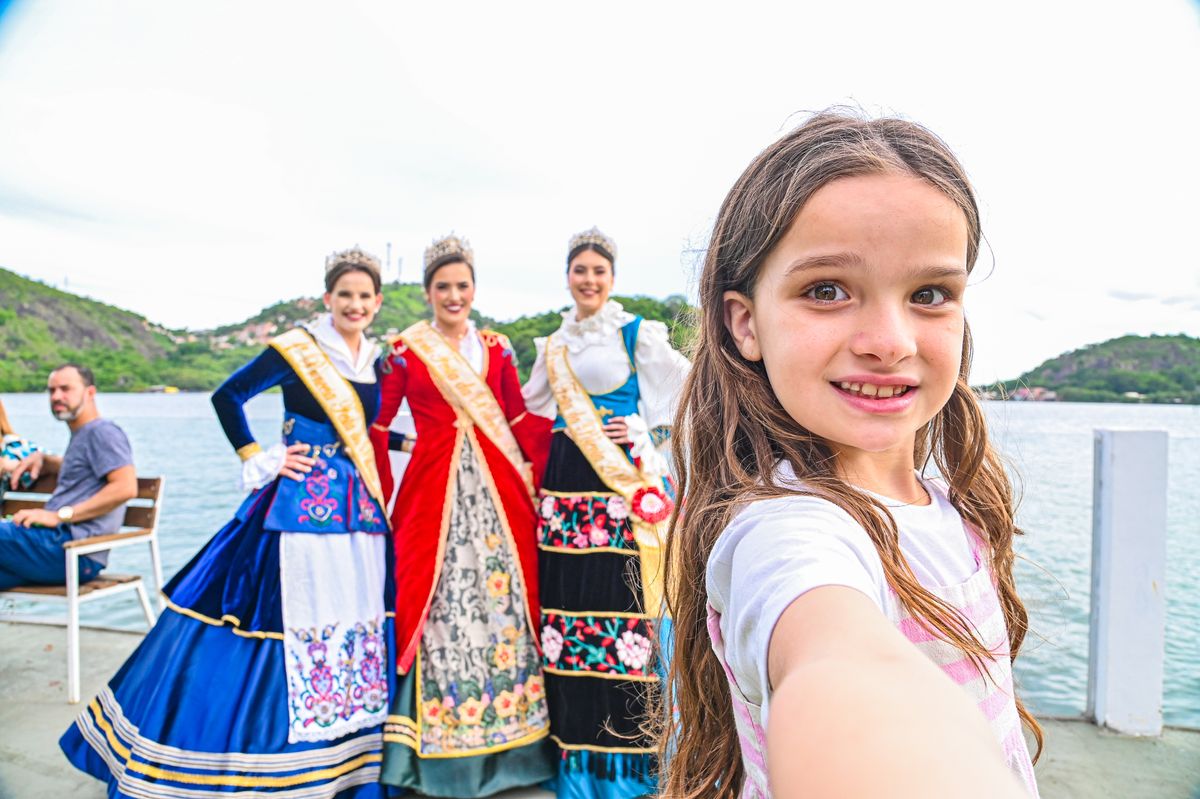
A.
x: 661, y: 372
x: 393, y: 383
x: 539, y: 398
x: 531, y: 430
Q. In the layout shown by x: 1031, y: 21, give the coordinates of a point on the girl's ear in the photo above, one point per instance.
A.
x: 739, y: 321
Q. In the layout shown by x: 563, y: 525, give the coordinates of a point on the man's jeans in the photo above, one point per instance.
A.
x: 31, y: 555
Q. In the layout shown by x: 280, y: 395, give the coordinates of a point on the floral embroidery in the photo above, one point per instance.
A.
x: 352, y: 683
x: 552, y: 643
x: 480, y: 673
x: 585, y: 521
x: 319, y: 508
x: 368, y: 509
x: 497, y: 584
x: 597, y: 643
x: 633, y: 649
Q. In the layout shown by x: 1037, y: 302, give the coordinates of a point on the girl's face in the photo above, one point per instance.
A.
x: 858, y: 315
x: 353, y: 303
x: 450, y: 294
x: 590, y: 279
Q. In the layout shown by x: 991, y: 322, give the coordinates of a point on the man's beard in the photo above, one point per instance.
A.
x: 67, y: 414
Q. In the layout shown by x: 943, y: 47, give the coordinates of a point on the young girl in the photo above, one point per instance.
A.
x: 823, y: 586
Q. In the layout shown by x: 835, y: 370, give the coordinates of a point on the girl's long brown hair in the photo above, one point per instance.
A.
x: 732, y: 431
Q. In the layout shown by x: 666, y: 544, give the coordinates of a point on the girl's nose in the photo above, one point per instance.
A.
x: 885, y: 334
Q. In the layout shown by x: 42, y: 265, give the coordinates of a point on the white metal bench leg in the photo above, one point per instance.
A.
x: 156, y: 564
x: 72, y: 627
x: 144, y: 598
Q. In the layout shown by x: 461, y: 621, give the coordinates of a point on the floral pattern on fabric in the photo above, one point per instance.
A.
x: 607, y: 644
x: 339, y: 677
x: 480, y: 676
x: 586, y: 521
x: 318, y: 508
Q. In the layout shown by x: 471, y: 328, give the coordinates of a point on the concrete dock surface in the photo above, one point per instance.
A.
x: 1080, y: 760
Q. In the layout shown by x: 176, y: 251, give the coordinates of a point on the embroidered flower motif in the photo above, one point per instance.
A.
x: 555, y: 524
x: 581, y: 539
x: 547, y: 507
x: 497, y: 584
x: 505, y: 656
x: 633, y: 649
x: 651, y: 505
x: 505, y: 704
x: 471, y: 711
x: 432, y: 711
x: 552, y: 642
x: 617, y: 508
x: 599, y: 537
x: 492, y: 541
x: 535, y: 688
x: 509, y: 633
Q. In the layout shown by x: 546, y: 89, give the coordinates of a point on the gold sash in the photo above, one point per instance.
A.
x: 611, y: 464
x: 337, y: 399
x: 467, y: 392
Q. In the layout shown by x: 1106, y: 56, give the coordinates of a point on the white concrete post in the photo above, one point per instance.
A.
x: 1129, y: 553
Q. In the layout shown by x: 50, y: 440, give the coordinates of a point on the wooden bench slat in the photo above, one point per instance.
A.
x: 104, y: 581
x: 105, y: 539
x: 11, y: 506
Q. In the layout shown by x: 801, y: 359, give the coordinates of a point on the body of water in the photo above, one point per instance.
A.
x: 1048, y: 444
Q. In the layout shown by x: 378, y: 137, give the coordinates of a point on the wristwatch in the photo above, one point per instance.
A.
x: 66, y: 513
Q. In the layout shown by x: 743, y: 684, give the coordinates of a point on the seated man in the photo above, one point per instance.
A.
x: 95, y: 479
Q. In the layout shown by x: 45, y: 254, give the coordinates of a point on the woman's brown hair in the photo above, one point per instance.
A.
x: 732, y: 431
x: 5, y: 427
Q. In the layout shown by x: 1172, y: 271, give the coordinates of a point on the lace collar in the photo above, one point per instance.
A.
x: 360, y: 370
x: 598, y: 328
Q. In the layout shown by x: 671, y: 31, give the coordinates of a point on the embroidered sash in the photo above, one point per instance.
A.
x: 337, y: 399
x: 611, y: 465
x: 466, y: 391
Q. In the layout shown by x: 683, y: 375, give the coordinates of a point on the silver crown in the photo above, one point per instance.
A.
x: 593, y: 236
x: 353, y: 256
x: 448, y: 248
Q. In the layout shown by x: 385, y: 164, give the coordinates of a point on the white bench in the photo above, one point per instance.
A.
x: 140, y: 527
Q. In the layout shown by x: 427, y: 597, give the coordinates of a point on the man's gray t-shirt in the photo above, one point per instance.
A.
x: 95, y: 450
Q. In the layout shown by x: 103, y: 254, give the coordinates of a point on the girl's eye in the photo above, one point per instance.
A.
x: 930, y: 295
x: 827, y: 292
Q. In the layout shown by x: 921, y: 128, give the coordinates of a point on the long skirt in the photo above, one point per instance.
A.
x: 469, y: 718
x: 600, y: 647
x: 218, y: 701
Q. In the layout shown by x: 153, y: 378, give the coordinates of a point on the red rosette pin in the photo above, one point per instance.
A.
x: 651, y: 504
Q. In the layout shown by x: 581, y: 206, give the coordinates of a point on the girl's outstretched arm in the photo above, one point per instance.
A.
x: 856, y: 710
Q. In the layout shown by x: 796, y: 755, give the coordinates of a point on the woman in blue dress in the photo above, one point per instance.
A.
x: 267, y: 674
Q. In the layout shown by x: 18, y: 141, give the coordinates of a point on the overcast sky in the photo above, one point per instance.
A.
x: 195, y: 161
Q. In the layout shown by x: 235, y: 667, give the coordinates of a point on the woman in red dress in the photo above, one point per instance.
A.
x: 469, y: 717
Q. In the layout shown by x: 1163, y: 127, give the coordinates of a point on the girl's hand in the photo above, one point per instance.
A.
x: 617, y: 430
x: 297, y: 464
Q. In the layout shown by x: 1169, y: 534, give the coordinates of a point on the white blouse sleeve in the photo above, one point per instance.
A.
x: 661, y: 372
x: 539, y: 398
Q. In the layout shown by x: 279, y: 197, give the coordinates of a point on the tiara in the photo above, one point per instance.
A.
x: 449, y: 248
x: 353, y: 256
x: 593, y: 236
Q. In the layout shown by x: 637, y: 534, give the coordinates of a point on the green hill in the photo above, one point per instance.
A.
x: 1125, y: 369
x: 41, y: 326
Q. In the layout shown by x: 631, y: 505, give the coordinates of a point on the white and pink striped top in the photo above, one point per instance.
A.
x: 777, y: 581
